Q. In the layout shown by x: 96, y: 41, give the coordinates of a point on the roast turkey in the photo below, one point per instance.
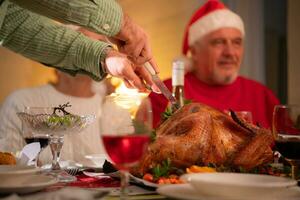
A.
x: 198, y: 135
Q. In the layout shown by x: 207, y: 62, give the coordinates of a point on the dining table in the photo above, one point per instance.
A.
x: 86, y: 187
x: 94, y: 184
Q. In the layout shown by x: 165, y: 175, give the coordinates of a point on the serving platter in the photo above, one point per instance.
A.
x: 188, y: 192
x: 237, y: 185
x: 142, y: 182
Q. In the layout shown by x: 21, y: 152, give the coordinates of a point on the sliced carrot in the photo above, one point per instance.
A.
x: 198, y: 169
x: 161, y: 180
x: 148, y: 177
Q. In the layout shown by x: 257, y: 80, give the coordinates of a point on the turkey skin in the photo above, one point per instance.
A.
x: 198, y: 134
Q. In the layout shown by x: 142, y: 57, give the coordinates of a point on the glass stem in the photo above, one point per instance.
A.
x: 56, y: 144
x: 294, y: 171
x: 37, y: 160
x: 124, y: 184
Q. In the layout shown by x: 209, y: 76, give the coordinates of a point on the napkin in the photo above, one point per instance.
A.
x: 29, y: 153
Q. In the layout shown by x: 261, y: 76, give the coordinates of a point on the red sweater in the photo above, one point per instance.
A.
x: 242, y: 95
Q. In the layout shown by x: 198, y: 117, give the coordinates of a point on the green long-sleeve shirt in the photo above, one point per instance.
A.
x: 43, y: 40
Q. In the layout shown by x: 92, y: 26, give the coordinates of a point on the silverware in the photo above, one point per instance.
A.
x: 162, y: 87
x: 72, y: 171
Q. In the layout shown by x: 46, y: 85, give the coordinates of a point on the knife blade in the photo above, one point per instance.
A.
x: 162, y: 87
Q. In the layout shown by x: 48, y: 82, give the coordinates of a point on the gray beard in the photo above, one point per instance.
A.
x: 225, y: 80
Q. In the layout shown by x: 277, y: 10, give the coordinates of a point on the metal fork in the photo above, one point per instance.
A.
x: 72, y: 171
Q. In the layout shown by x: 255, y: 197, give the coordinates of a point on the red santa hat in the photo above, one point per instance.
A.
x: 210, y: 17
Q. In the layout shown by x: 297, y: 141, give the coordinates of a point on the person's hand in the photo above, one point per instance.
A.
x: 117, y: 64
x: 134, y: 42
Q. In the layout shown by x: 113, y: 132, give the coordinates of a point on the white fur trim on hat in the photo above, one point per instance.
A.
x: 221, y: 18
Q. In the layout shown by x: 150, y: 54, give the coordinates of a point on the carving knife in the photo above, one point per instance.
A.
x: 162, y: 87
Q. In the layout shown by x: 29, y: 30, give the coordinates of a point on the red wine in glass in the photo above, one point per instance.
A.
x: 125, y: 150
x: 286, y: 131
x: 126, y: 124
x: 289, y: 148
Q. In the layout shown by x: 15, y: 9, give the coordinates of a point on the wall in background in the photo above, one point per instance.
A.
x: 19, y: 72
x: 164, y: 21
x: 275, y: 15
x: 293, y: 52
x: 253, y: 65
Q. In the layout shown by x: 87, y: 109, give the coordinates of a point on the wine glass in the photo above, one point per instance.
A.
x: 286, y: 131
x: 49, y: 122
x: 31, y: 136
x: 126, y: 125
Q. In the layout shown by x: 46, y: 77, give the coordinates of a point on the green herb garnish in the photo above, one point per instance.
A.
x: 167, y: 114
x: 169, y: 111
x: 162, y: 170
x: 140, y: 127
x: 61, y: 117
x: 153, y: 135
x: 61, y: 120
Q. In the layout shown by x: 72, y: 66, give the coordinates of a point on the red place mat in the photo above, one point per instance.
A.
x: 84, y: 181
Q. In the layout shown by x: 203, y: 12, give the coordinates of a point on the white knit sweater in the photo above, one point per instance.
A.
x: 75, y: 145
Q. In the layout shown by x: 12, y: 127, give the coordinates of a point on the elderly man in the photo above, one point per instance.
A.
x: 214, y: 38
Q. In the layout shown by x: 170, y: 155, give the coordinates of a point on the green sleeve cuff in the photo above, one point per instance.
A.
x: 92, y: 54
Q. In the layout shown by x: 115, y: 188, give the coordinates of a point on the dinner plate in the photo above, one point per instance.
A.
x: 237, y: 185
x: 95, y: 160
x: 188, y: 192
x: 16, y: 170
x: 86, y: 163
x: 64, y: 164
x: 26, y: 184
x: 95, y: 174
